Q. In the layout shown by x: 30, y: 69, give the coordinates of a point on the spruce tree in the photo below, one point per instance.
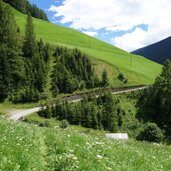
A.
x: 35, y: 65
x: 4, y: 74
x: 110, y: 118
x: 156, y: 101
x: 30, y: 45
x: 105, y: 81
x: 10, y: 47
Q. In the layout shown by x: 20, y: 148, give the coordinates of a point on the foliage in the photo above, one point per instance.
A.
x: 151, y: 133
x: 28, y: 147
x: 122, y: 78
x: 73, y: 71
x: 22, y: 75
x: 20, y: 147
x: 25, y: 7
x: 29, y: 46
x: 103, y: 55
x: 105, y: 81
x: 69, y: 150
x: 64, y: 123
x: 155, y: 103
x: 112, y: 113
x: 35, y: 56
x: 11, y: 62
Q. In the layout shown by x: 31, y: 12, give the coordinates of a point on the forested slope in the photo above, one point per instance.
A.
x: 137, y: 69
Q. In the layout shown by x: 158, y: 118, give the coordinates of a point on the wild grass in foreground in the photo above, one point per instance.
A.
x: 26, y: 147
x: 73, y: 151
x: 19, y: 147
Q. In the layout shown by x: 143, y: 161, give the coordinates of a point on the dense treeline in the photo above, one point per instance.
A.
x: 155, y: 103
x: 104, y: 112
x: 11, y: 62
x: 25, y: 7
x: 73, y: 71
x: 23, y: 63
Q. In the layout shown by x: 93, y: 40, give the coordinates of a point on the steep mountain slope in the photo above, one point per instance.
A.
x: 157, y: 52
x: 137, y: 69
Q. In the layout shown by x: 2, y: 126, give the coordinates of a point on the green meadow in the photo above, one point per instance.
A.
x: 137, y: 69
x: 39, y: 144
x: 28, y: 147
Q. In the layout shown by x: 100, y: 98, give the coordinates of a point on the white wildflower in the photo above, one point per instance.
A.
x: 99, y: 156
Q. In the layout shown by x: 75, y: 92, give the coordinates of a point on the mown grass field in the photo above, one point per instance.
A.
x: 27, y: 147
x: 141, y: 71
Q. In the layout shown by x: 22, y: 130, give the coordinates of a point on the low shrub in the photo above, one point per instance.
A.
x: 151, y: 133
x: 64, y: 124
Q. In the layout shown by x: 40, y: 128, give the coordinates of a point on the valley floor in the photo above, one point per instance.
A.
x: 17, y: 111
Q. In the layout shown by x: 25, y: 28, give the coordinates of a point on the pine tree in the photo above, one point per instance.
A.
x: 25, y: 7
x: 4, y: 74
x: 110, y: 118
x: 35, y: 65
x: 73, y: 71
x: 30, y: 53
x: 105, y: 81
x: 30, y: 45
x: 94, y: 113
x: 100, y: 117
x: 10, y: 47
x: 156, y: 101
x: 20, y: 5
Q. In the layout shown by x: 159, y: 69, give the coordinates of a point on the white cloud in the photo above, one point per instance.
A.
x: 129, y: 41
x: 91, y: 33
x: 97, y: 14
x: 119, y: 15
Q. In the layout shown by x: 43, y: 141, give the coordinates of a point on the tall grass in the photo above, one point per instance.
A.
x: 19, y: 147
x: 27, y: 147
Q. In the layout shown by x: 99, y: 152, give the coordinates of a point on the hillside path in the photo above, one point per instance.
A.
x: 18, y: 114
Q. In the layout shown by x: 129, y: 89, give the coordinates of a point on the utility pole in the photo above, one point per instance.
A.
x: 131, y: 60
x: 89, y: 41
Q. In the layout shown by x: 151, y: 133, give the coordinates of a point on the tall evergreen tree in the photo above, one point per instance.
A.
x: 35, y: 65
x: 73, y: 71
x: 155, y: 104
x: 10, y: 47
x: 4, y: 74
x: 110, y: 118
x: 30, y: 45
x: 20, y: 5
x: 25, y: 7
x: 105, y: 81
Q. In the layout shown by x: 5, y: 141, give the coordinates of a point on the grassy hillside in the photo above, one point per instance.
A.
x: 27, y: 147
x: 142, y: 71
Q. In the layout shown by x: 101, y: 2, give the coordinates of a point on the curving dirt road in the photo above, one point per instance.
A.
x: 17, y: 114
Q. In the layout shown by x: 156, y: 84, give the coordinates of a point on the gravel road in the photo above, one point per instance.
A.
x: 17, y: 114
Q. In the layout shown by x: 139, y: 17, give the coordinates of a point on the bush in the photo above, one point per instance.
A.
x: 64, y: 124
x: 44, y: 124
x: 122, y: 78
x: 151, y: 133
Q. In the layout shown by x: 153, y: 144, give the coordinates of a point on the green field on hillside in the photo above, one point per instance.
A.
x: 27, y: 147
x: 139, y: 71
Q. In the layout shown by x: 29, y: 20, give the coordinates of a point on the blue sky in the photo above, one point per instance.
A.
x: 128, y: 24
